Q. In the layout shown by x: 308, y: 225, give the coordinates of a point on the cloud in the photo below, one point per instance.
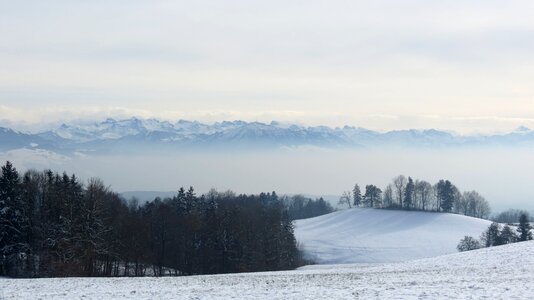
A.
x: 378, y: 64
x: 35, y: 158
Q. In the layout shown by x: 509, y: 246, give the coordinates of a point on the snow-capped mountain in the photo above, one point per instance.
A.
x: 110, y: 129
x: 192, y: 133
x: 137, y: 134
x: 11, y: 139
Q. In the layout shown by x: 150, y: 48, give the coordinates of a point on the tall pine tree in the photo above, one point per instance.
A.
x: 14, y: 225
x: 409, y: 194
x: 357, y: 195
x: 445, y: 195
x: 524, y: 228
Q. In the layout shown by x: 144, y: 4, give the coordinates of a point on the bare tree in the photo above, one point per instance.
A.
x: 388, y: 196
x: 424, y: 191
x: 457, y: 200
x: 476, y: 205
x: 400, y: 185
x: 346, y: 198
x: 468, y: 243
x: 463, y: 204
x: 436, y: 203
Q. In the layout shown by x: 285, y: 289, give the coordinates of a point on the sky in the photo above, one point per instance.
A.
x: 462, y: 66
x: 465, y: 66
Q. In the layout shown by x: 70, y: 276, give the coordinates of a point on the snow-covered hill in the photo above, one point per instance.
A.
x: 503, y: 272
x: 364, y: 235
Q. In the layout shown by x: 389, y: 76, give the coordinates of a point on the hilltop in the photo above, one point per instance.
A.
x: 366, y: 235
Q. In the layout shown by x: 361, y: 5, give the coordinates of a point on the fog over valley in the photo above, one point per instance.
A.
x: 501, y: 175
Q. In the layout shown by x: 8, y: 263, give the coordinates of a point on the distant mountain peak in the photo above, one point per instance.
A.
x: 6, y: 130
x: 522, y: 129
x: 110, y: 121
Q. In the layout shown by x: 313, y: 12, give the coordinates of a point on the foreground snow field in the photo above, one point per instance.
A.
x: 504, y: 272
x: 365, y: 235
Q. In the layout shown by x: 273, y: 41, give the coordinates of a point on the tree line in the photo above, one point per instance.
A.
x: 53, y: 225
x: 408, y: 194
x: 301, y: 207
x: 510, y: 216
x: 497, y: 236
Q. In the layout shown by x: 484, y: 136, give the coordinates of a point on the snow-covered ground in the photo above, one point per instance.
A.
x: 364, y: 235
x: 504, y: 272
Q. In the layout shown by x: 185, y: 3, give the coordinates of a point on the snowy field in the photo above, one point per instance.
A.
x: 504, y: 272
x: 364, y: 235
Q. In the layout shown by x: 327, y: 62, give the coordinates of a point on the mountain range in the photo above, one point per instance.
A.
x: 137, y: 134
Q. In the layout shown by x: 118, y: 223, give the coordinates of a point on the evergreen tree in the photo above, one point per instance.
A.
x: 524, y: 228
x: 409, y: 194
x: 191, y: 199
x: 507, y: 236
x: 492, y: 236
x: 14, y: 223
x: 445, y: 194
x: 179, y: 202
x: 357, y: 195
x: 372, y: 195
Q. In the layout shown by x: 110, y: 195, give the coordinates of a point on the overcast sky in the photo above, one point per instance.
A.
x: 463, y: 65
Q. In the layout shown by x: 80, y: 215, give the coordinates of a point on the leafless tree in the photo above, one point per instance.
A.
x: 400, y: 185
x: 476, y: 205
x: 423, y: 191
x: 346, y: 198
x: 388, y: 195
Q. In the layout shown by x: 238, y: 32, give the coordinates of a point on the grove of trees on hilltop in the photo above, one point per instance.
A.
x: 409, y: 194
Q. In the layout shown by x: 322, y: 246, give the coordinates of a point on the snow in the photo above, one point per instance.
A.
x: 365, y: 235
x: 503, y: 272
x: 90, y: 133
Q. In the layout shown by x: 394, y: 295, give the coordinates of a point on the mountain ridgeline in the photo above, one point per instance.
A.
x: 53, y: 225
x: 136, y: 134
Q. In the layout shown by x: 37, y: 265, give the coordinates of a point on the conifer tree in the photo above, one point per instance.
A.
x: 524, y: 228
x: 508, y: 236
x: 492, y: 236
x: 357, y: 195
x: 14, y: 225
x: 190, y: 199
x: 409, y: 193
x: 445, y: 194
x: 372, y: 195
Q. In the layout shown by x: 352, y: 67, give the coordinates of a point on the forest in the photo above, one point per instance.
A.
x: 53, y: 225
